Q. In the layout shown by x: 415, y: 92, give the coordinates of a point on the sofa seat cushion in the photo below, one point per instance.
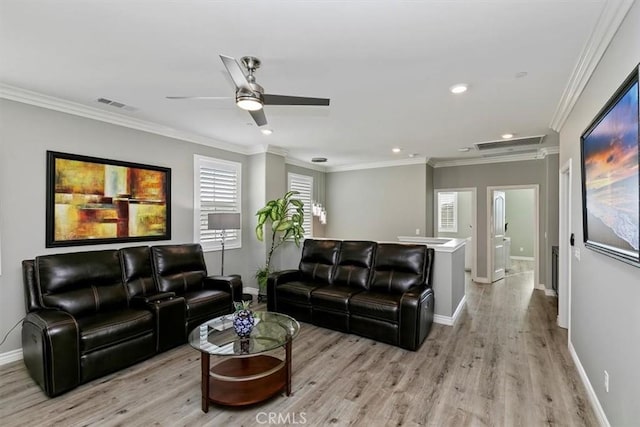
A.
x: 203, y: 302
x: 376, y: 305
x: 297, y: 291
x: 333, y: 297
x: 111, y: 327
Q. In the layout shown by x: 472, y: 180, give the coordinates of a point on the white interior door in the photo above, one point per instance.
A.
x: 498, y: 235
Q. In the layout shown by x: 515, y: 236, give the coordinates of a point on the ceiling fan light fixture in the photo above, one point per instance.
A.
x: 249, y: 101
x: 266, y: 131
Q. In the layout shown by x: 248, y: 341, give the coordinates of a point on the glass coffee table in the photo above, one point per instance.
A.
x: 246, y: 374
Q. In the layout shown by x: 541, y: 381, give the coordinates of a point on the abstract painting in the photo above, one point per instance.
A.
x: 610, y: 178
x: 95, y: 201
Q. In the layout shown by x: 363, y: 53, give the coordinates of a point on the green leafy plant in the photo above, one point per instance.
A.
x: 285, y: 215
x: 242, y: 305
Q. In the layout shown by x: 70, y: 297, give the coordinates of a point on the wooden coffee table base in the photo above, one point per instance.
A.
x: 239, y: 381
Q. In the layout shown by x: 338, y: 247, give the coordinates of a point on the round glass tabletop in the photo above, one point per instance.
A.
x: 218, y: 337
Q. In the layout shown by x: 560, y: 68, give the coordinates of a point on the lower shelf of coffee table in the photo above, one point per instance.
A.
x: 246, y: 380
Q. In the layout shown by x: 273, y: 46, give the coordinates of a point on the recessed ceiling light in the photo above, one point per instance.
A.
x: 464, y: 149
x: 507, y: 136
x: 319, y: 159
x: 459, y: 88
x: 266, y: 131
x: 396, y: 150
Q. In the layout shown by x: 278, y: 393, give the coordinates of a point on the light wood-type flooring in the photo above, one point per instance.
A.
x: 505, y: 363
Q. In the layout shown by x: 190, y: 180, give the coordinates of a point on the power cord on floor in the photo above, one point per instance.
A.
x: 10, y: 330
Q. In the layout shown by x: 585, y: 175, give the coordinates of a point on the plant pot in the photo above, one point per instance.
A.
x: 243, y: 322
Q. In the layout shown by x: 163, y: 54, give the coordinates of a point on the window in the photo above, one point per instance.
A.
x: 448, y: 212
x: 304, y: 185
x: 216, y: 189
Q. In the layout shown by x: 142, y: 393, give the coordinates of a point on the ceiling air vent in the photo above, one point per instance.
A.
x: 510, y: 143
x: 115, y: 104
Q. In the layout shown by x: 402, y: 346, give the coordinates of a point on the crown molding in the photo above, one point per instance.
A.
x: 540, y: 154
x: 375, y: 165
x: 278, y: 151
x: 304, y: 164
x: 548, y: 151
x: 25, y: 96
x: 611, y: 17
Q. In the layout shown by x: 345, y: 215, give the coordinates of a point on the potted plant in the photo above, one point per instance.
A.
x: 285, y: 215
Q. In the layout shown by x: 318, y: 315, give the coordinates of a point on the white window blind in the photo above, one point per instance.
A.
x: 304, y: 185
x: 448, y: 212
x: 217, y: 185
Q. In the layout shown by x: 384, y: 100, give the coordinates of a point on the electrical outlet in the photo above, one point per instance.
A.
x: 606, y: 381
x: 521, y: 249
x: 417, y: 231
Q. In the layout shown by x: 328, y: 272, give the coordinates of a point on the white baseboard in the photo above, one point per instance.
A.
x: 540, y: 286
x: 10, y: 356
x: 550, y: 293
x: 482, y: 280
x: 591, y: 394
x: 450, y: 321
x: 522, y: 258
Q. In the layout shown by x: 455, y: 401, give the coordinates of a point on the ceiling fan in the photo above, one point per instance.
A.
x: 250, y: 95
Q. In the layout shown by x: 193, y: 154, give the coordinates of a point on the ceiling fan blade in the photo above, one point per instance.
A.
x: 294, y: 100
x: 236, y: 73
x: 198, y: 97
x: 259, y: 117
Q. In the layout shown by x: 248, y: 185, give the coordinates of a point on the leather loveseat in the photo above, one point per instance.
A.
x: 377, y: 290
x: 95, y: 312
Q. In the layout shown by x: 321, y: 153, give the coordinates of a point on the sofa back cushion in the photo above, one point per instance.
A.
x: 319, y: 258
x: 397, y: 267
x: 354, y: 264
x: 178, y: 268
x: 137, y: 273
x: 81, y: 283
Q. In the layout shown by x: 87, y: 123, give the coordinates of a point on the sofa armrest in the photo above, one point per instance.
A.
x: 276, y: 279
x: 51, y: 350
x: 231, y: 284
x: 143, y: 300
x: 416, y: 314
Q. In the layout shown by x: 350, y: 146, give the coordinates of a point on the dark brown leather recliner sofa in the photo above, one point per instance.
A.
x: 377, y: 290
x: 95, y: 312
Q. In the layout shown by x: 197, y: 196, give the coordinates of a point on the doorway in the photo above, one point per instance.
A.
x: 564, y: 253
x: 513, y: 231
x: 455, y: 216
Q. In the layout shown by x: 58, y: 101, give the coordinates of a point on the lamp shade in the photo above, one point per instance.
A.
x: 224, y: 221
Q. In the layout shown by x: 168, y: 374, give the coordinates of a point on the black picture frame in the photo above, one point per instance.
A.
x: 610, y: 161
x: 91, y: 201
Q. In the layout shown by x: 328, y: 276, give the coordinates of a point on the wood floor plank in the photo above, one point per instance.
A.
x: 505, y: 363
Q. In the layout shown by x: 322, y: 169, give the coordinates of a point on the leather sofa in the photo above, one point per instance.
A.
x: 377, y: 290
x: 95, y: 312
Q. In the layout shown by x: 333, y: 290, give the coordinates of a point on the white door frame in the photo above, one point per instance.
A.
x: 474, y: 222
x: 564, y: 249
x: 536, y: 231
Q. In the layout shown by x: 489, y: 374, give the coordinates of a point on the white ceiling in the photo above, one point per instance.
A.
x: 386, y: 65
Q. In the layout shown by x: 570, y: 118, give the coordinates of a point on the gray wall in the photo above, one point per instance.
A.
x: 526, y: 172
x: 465, y: 217
x: 27, y: 132
x: 605, y: 318
x: 429, y: 194
x: 520, y: 213
x: 377, y: 204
